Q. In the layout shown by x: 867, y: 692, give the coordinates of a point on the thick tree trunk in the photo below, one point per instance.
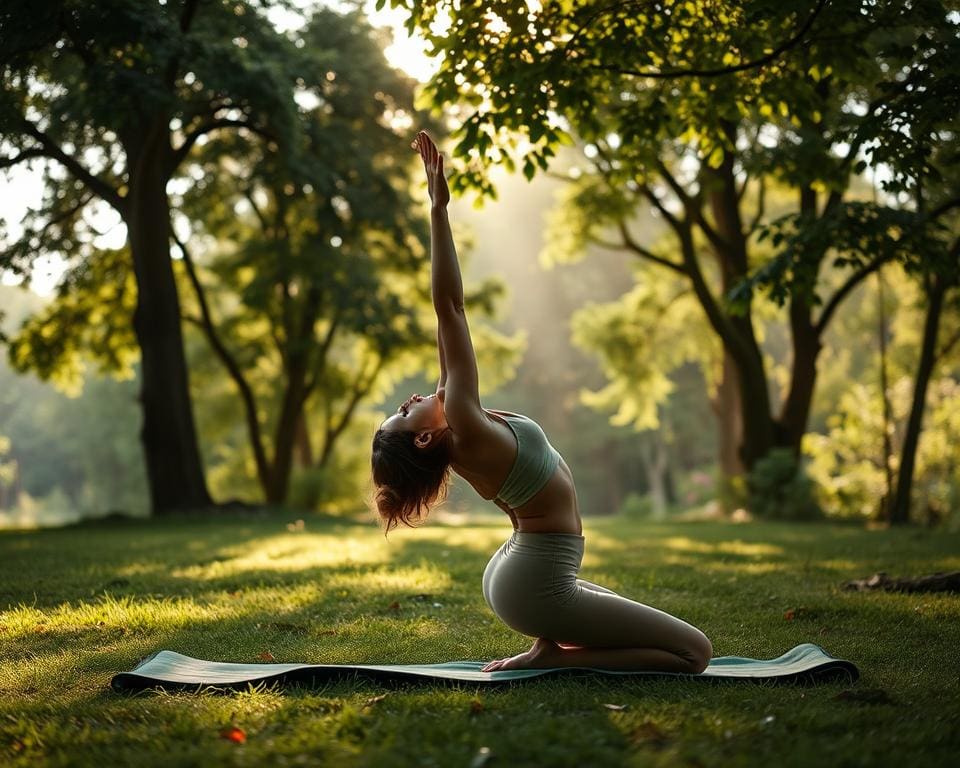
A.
x: 792, y: 424
x: 900, y: 508
x: 174, y: 469
x: 730, y: 248
x: 727, y: 410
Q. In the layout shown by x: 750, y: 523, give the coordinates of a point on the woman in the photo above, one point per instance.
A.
x: 531, y: 582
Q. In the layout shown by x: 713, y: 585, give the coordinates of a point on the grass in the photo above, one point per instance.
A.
x: 82, y: 603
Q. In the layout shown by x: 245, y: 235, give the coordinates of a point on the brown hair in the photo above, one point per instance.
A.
x: 408, y: 480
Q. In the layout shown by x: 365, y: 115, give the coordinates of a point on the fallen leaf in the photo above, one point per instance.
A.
x: 616, y: 707
x: 394, y: 606
x: 324, y: 632
x: 234, y: 734
x: 476, y: 707
x: 265, y: 656
x: 374, y: 700
x: 788, y: 614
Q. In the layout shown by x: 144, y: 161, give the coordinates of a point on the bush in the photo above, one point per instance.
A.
x: 780, y: 489
x: 636, y: 506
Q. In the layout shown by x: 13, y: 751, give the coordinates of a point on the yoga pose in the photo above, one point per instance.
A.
x: 531, y: 582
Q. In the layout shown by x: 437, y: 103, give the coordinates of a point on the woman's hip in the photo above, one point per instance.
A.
x: 532, y: 574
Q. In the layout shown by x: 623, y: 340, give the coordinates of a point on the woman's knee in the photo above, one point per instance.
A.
x: 699, y: 653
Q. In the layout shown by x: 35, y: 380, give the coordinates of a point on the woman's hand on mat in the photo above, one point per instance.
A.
x: 433, y: 165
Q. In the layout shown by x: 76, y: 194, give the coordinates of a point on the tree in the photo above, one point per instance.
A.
x: 111, y: 98
x: 316, y: 275
x: 912, y: 138
x: 314, y: 244
x: 693, y: 109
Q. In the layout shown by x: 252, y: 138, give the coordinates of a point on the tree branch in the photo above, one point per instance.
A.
x: 671, y: 219
x: 761, y: 208
x: 230, y: 363
x: 943, y: 208
x: 27, y: 154
x: 208, y: 127
x: 716, y: 72
x: 692, y: 205
x: 639, y: 250
x: 360, y: 390
x: 948, y: 345
x: 64, y: 215
x: 264, y: 226
x: 324, y: 349
x: 97, y: 185
x: 848, y: 285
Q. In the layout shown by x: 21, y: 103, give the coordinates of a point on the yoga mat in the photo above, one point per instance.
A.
x: 174, y: 671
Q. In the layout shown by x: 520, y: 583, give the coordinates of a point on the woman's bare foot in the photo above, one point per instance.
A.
x: 542, y: 655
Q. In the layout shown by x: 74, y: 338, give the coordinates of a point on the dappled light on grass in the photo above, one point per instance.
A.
x: 694, y: 564
x: 483, y: 541
x: 296, y: 552
x: 105, y: 613
x: 737, y: 547
x: 422, y: 580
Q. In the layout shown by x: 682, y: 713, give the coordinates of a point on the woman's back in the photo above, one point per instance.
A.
x: 512, y: 463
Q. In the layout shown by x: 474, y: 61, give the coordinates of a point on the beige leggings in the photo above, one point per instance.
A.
x: 531, y: 584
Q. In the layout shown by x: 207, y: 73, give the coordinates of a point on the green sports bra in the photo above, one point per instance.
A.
x: 535, y: 464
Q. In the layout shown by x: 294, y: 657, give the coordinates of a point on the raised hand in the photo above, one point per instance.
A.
x: 433, y: 165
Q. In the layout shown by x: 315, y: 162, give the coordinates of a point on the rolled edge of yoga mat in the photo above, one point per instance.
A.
x: 169, y: 670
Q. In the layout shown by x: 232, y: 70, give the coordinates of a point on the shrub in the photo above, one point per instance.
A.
x: 780, y: 489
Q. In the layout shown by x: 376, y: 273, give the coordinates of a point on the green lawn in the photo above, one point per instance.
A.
x: 79, y: 604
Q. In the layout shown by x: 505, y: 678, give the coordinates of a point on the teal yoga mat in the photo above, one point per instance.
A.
x: 173, y: 671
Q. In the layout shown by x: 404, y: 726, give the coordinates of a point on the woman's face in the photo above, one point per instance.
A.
x: 418, y: 414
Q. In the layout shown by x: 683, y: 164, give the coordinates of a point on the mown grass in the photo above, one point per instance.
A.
x: 82, y: 603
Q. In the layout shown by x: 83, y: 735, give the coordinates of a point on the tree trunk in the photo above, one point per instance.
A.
x: 304, y: 447
x: 171, y: 452
x: 792, y: 424
x: 727, y: 410
x: 285, y: 436
x: 730, y: 248
x: 883, y: 506
x: 900, y: 508
x: 654, y: 455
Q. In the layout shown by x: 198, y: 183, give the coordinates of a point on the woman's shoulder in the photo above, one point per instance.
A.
x: 498, y: 412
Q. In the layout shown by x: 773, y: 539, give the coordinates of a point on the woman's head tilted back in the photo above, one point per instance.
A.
x: 411, y: 461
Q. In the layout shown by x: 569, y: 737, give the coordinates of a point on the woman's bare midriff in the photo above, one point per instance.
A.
x: 553, y: 510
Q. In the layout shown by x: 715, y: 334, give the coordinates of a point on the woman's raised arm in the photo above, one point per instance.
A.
x: 462, y: 399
